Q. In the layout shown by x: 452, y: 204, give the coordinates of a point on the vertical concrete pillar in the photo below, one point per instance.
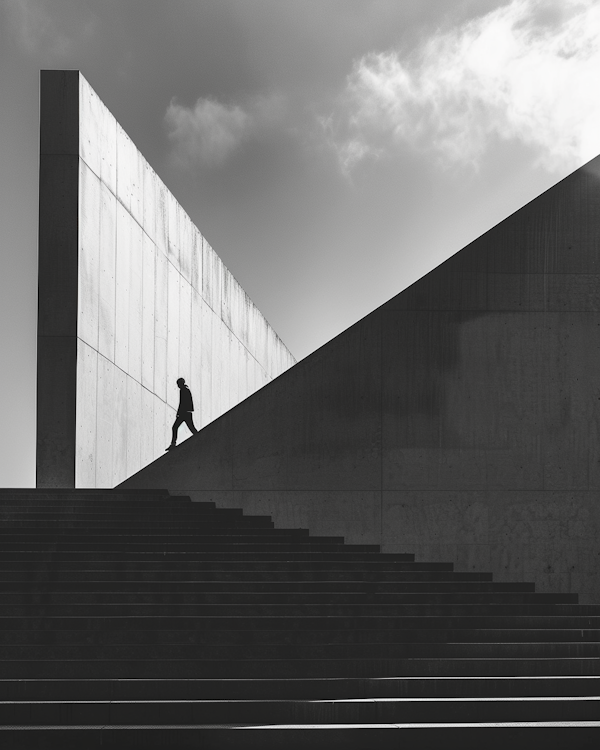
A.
x: 57, y: 278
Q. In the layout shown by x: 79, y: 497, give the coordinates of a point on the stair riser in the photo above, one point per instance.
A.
x: 92, y: 495
x: 111, y: 520
x: 63, y: 510
x: 186, y: 554
x: 102, y: 500
x: 295, y: 652
x: 253, y: 712
x: 296, y: 610
x: 196, y: 528
x: 301, y: 637
x: 263, y: 598
x: 386, y: 737
x: 278, y: 575
x: 270, y: 560
x: 188, y: 668
x: 234, y: 547
x: 171, y: 505
x: 289, y: 689
x: 33, y: 540
x: 288, y: 636
x: 175, y: 622
x: 138, y: 508
x: 247, y: 587
x: 86, y: 522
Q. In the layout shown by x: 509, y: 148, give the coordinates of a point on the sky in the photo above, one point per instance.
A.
x: 332, y: 152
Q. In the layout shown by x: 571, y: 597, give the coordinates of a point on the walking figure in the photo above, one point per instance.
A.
x: 184, y: 413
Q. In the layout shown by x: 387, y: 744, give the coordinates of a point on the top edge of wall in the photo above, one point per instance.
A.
x: 59, y: 111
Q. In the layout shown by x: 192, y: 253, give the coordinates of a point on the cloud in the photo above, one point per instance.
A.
x: 209, y: 132
x: 527, y: 72
x: 37, y: 31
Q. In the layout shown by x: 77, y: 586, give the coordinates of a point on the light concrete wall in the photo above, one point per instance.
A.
x: 459, y: 421
x: 132, y: 297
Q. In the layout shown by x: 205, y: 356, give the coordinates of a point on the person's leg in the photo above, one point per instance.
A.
x: 190, y: 422
x: 178, y: 420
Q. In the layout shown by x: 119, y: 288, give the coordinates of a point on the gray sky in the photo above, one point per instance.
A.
x: 331, y: 151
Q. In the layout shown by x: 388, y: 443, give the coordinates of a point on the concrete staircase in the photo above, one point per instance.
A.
x: 131, y: 619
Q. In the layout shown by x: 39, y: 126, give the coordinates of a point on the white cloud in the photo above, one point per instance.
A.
x: 209, y: 132
x: 529, y: 71
x: 38, y: 32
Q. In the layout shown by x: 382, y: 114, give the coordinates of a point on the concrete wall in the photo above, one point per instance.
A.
x: 131, y: 297
x: 459, y: 421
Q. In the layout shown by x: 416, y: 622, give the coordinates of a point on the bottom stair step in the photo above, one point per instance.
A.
x: 493, y: 736
x: 353, y: 711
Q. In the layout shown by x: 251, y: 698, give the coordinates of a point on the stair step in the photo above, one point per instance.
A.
x: 111, y: 516
x: 150, y: 619
x: 246, y: 560
x: 66, y: 495
x: 52, y: 637
x: 117, y: 515
x: 280, y: 573
x: 89, y: 584
x: 318, y: 688
x: 553, y: 735
x: 154, y: 512
x: 301, y: 668
x: 28, y: 542
x: 341, y: 711
x: 147, y: 528
x: 292, y: 654
x: 141, y: 523
x: 253, y: 553
x: 266, y: 598
x: 494, y: 736
x: 260, y: 608
x: 105, y: 508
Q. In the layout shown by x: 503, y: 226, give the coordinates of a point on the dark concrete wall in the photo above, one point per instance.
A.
x: 458, y: 421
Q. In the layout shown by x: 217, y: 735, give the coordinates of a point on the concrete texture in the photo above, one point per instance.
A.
x: 131, y: 297
x: 458, y: 421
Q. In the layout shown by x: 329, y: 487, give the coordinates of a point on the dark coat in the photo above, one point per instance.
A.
x: 185, y: 400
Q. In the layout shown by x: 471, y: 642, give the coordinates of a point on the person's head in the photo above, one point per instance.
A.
x: 180, y: 382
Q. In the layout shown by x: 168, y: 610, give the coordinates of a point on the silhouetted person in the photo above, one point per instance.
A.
x: 184, y: 413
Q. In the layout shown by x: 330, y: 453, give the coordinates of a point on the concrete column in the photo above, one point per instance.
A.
x: 57, y: 278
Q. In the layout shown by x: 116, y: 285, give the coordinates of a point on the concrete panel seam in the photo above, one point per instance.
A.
x: 220, y: 316
x: 116, y: 366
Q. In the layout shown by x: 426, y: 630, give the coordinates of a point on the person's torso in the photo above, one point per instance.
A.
x: 185, y: 400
